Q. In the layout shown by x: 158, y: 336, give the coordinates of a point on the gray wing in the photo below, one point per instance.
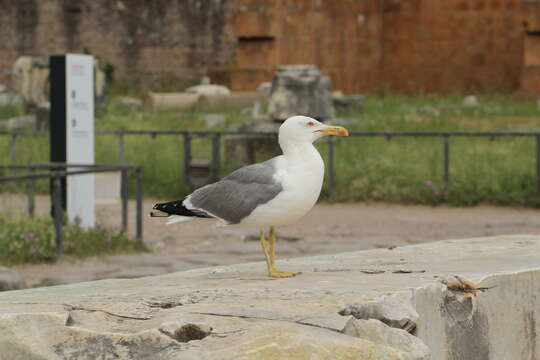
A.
x: 234, y: 197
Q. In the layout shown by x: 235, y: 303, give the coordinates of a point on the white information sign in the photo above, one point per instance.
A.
x: 80, y: 137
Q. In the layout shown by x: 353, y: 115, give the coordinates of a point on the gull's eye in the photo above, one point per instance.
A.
x: 311, y: 123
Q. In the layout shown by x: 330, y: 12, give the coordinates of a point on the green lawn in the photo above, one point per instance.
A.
x: 408, y: 170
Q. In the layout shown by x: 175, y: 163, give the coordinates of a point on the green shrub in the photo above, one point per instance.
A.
x: 33, y: 240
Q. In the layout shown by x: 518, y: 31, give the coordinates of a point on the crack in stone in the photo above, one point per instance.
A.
x: 299, y: 322
x: 73, y: 308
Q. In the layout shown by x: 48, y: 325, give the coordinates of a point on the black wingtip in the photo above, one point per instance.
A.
x: 177, y: 208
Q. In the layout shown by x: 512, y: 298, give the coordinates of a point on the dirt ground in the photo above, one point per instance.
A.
x: 327, y: 229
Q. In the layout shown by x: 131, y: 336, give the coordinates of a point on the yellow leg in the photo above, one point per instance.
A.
x: 272, y: 271
x: 272, y: 241
x: 265, y: 249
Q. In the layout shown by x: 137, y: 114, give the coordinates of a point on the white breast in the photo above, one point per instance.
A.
x: 301, y: 176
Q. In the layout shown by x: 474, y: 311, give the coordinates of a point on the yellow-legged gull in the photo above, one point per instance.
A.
x: 275, y: 192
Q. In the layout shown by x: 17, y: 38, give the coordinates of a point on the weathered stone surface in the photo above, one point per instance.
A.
x: 10, y: 279
x: 300, y: 90
x: 31, y: 79
x: 393, y: 311
x: 380, y: 333
x: 208, y: 89
x: 138, y: 272
x: 253, y: 317
x: 172, y: 100
x: 234, y: 99
x: 185, y: 332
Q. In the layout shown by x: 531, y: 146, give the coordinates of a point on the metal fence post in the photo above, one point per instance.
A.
x: 446, y: 180
x: 331, y: 169
x: 121, y: 148
x: 216, y: 156
x: 31, y: 194
x: 58, y: 213
x: 124, y: 190
x: 187, y: 156
x: 139, y: 190
x: 538, y: 164
x: 13, y: 148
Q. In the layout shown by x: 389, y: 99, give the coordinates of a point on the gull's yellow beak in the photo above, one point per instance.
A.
x: 334, y: 130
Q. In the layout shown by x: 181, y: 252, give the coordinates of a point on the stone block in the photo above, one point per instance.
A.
x: 251, y: 317
x: 208, y: 89
x: 300, y: 90
x: 234, y: 99
x: 172, y: 100
x: 380, y: 333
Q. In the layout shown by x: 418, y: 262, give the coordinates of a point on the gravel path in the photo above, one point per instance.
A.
x: 326, y: 229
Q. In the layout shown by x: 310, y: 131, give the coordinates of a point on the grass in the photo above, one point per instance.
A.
x: 407, y: 170
x: 410, y: 170
x: 32, y: 241
x: 9, y: 111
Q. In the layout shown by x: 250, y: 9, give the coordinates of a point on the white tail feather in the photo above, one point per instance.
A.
x: 173, y: 219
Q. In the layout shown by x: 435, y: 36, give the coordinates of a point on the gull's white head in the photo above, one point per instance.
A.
x: 298, y: 129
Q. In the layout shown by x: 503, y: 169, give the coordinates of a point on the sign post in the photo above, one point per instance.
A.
x: 72, y: 130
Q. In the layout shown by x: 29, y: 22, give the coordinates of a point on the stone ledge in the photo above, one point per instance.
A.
x: 253, y: 317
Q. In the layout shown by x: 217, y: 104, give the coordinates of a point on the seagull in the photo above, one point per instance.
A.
x: 272, y: 193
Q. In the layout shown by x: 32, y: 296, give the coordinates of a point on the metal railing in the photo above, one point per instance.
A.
x: 445, y: 136
x: 58, y: 171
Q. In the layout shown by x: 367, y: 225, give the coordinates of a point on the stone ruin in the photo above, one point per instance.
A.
x: 300, y: 90
x: 31, y: 80
x: 295, y: 90
x: 30, y: 83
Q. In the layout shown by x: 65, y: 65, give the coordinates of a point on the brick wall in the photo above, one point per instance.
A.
x: 398, y: 45
x: 341, y: 37
x: 364, y: 45
x: 530, y: 74
x: 447, y: 45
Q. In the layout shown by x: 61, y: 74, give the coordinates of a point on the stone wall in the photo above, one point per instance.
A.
x: 143, y: 40
x: 371, y: 45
